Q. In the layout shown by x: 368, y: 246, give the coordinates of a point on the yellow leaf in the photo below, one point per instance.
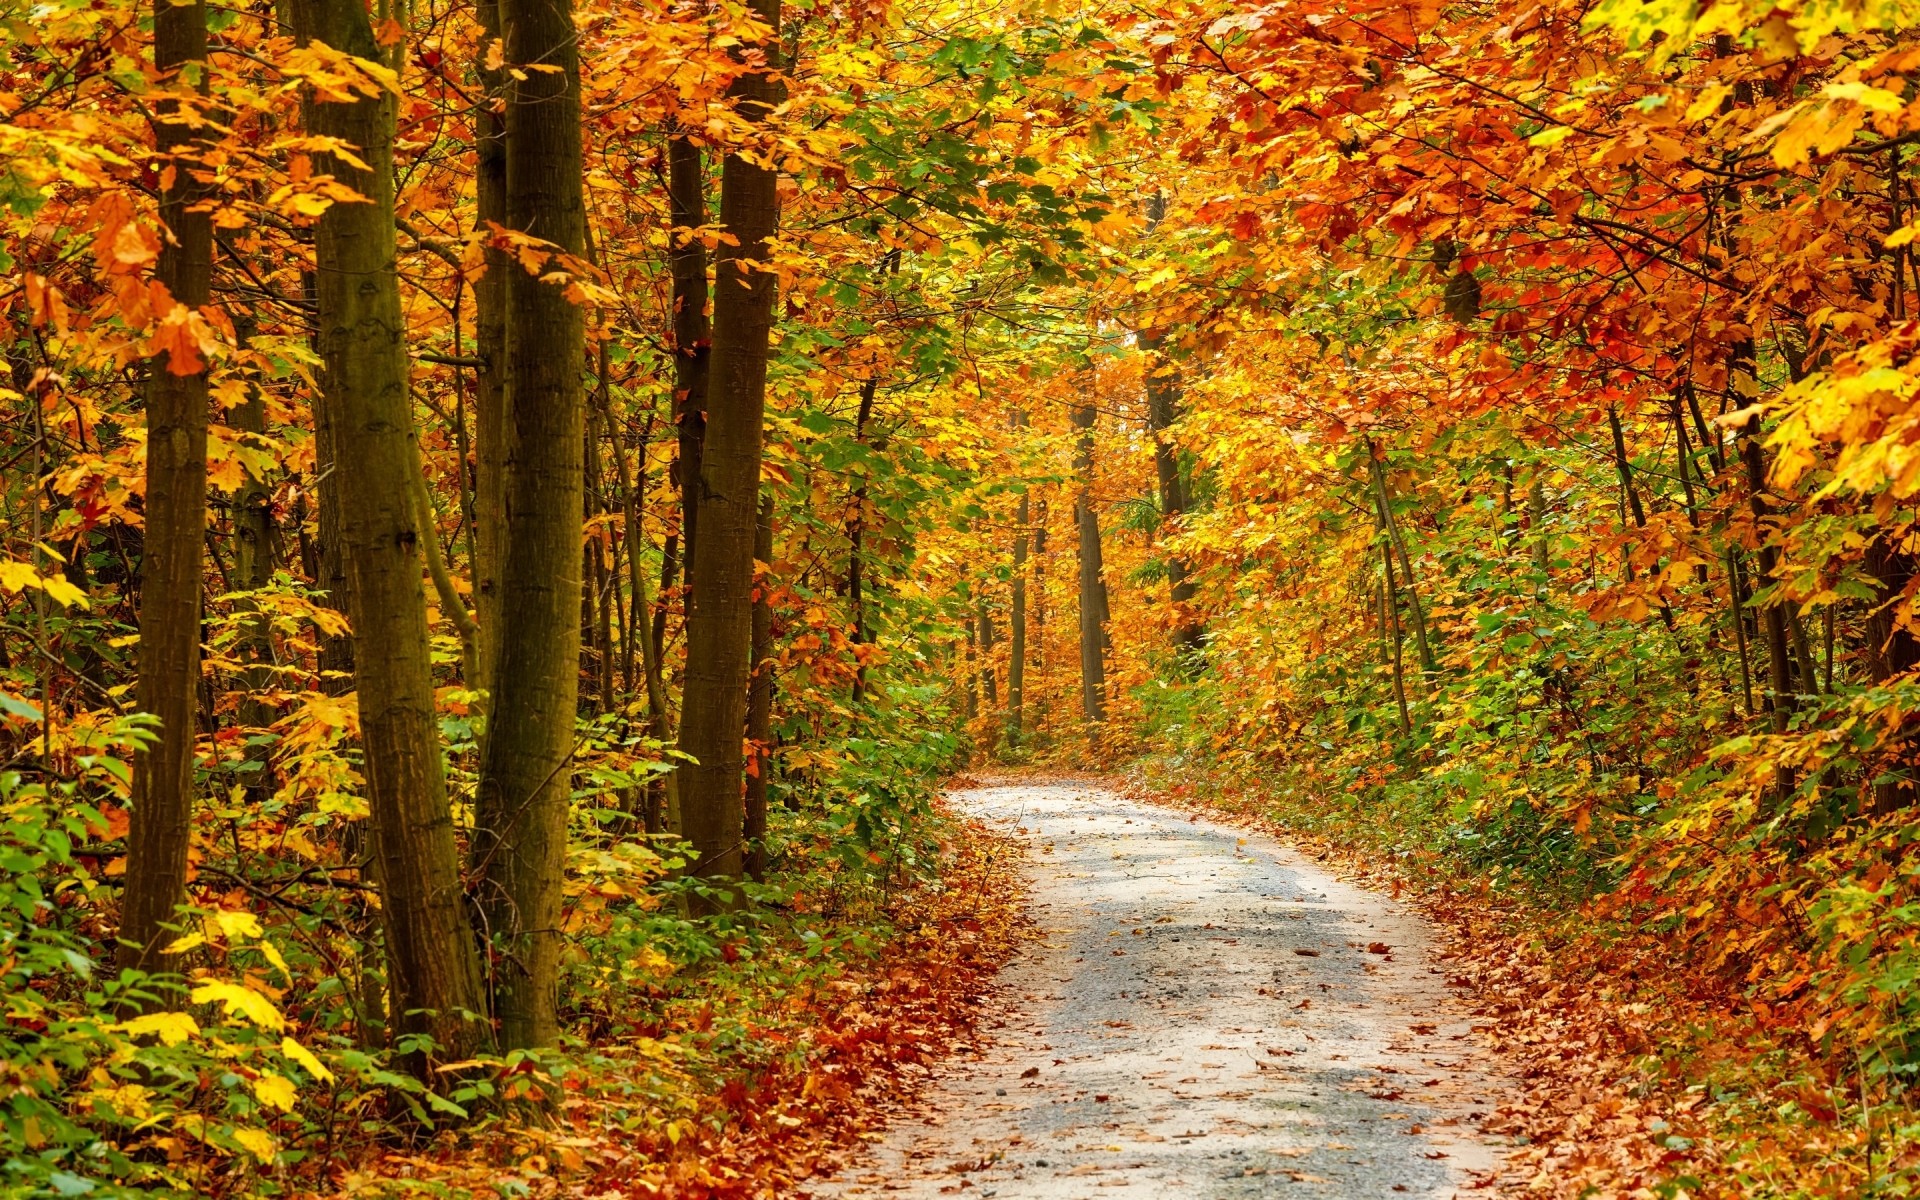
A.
x: 171, y: 1028
x: 63, y: 591
x: 300, y: 1054
x: 258, y: 1142
x: 236, y: 924
x: 275, y: 1091
x: 235, y: 1000
x: 1551, y: 137
x: 186, y: 942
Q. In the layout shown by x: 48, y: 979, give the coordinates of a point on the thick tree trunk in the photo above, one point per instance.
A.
x: 176, y: 524
x: 760, y: 695
x: 434, y: 969
x: 720, y: 618
x: 519, y: 843
x: 692, y: 332
x: 1093, y: 584
x: 491, y: 339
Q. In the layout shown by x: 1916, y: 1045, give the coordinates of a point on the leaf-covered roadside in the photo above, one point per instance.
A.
x: 748, y: 1077
x: 1643, y: 1073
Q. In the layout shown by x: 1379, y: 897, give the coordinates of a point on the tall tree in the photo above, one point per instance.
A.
x: 496, y: 355
x: 692, y: 328
x: 760, y: 694
x: 1093, y: 582
x: 720, y: 617
x: 1017, y: 626
x: 1163, y: 400
x: 519, y: 844
x: 433, y: 964
x: 176, y: 510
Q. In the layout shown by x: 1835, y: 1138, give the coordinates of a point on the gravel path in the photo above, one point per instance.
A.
x: 1201, y: 1016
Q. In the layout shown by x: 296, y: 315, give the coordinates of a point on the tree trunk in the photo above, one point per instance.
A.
x: 1537, y: 526
x: 433, y: 965
x: 176, y: 524
x: 1163, y: 399
x: 490, y: 335
x: 760, y: 695
x: 1017, y: 628
x: 519, y: 843
x: 1773, y: 617
x: 720, y: 619
x: 692, y: 334
x: 255, y: 559
x: 1892, y: 652
x: 1093, y: 584
x: 856, y: 533
x: 659, y: 718
x: 1396, y: 544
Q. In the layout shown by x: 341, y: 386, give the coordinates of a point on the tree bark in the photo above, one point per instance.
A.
x: 519, y: 843
x: 433, y: 964
x: 856, y: 535
x: 176, y: 524
x: 255, y: 558
x: 1892, y: 652
x: 1163, y: 400
x: 719, y: 622
x: 1017, y: 628
x: 491, y: 339
x: 1093, y: 584
x: 692, y: 332
x: 760, y: 694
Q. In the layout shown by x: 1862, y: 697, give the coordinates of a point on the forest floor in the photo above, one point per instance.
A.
x: 1204, y: 1012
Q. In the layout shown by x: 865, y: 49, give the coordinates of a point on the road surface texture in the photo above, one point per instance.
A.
x: 1205, y: 1013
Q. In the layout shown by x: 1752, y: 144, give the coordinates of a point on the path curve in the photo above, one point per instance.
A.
x: 1200, y: 1016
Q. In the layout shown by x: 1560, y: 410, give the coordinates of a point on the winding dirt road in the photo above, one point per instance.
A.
x: 1205, y: 1014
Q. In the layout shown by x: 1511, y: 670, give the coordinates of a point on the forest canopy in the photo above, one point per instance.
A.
x: 511, y: 511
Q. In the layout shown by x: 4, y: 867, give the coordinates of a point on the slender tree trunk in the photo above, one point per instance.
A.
x: 1537, y: 523
x: 1017, y: 628
x: 760, y: 695
x: 519, y: 844
x: 692, y: 333
x: 1395, y: 543
x: 176, y: 524
x: 1163, y: 400
x: 255, y: 558
x: 989, y: 680
x: 720, y: 620
x: 1624, y: 467
x: 1893, y: 652
x: 1773, y: 616
x: 492, y: 381
x: 1093, y: 585
x: 433, y: 970
x: 1390, y: 603
x: 659, y: 717
x: 856, y: 532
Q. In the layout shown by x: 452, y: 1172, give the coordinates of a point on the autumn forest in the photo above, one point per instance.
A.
x: 525, y: 520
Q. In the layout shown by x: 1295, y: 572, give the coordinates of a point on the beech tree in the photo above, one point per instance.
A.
x: 433, y: 965
x: 176, y: 507
x: 519, y: 843
x: 720, y: 577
